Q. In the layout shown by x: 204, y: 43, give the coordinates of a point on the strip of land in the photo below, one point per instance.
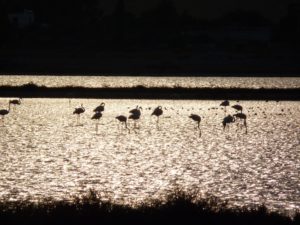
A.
x: 31, y: 90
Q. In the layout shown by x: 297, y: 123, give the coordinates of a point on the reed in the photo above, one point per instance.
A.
x: 177, y: 208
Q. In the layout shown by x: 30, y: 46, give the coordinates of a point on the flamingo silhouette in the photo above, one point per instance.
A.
x: 123, y: 119
x: 4, y: 112
x: 79, y: 111
x: 227, y: 120
x: 97, y: 117
x: 135, y: 114
x: 238, y: 108
x: 15, y: 101
x: 100, y: 108
x: 196, y: 118
x: 157, y: 112
x: 134, y: 117
x: 225, y: 103
x: 242, y: 116
x: 136, y: 111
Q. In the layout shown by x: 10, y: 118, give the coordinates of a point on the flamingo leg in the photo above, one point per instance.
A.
x: 245, y: 124
x: 97, y: 127
x: 127, y: 127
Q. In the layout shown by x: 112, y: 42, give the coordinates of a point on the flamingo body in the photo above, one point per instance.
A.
x: 225, y: 103
x: 15, y: 101
x: 134, y: 116
x: 136, y: 111
x: 196, y: 118
x: 100, y: 108
x: 4, y: 112
x: 157, y: 111
x: 237, y: 107
x: 227, y: 120
x: 79, y: 110
x: 122, y: 119
x: 97, y: 116
x: 242, y: 116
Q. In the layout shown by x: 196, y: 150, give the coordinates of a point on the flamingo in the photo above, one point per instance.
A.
x: 135, y: 114
x: 136, y: 111
x: 97, y: 117
x: 196, y: 118
x: 242, y: 116
x: 4, y: 112
x: 225, y: 103
x: 15, y: 101
x: 79, y: 111
x: 100, y: 108
x: 227, y: 120
x: 238, y: 108
x: 134, y: 117
x: 123, y: 119
x: 157, y: 112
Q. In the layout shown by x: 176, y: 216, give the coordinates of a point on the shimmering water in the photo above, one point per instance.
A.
x: 193, y: 82
x: 44, y: 152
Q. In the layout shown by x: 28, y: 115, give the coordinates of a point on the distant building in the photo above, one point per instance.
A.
x: 22, y: 19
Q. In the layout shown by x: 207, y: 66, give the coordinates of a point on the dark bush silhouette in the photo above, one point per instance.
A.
x: 177, y: 208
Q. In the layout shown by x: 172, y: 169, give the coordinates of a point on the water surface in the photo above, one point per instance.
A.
x: 127, y: 81
x: 45, y: 153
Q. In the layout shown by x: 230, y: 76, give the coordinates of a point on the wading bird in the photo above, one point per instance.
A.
x: 123, y: 119
x: 79, y: 111
x: 238, y: 107
x: 243, y: 117
x: 100, y: 108
x: 4, y: 112
x: 134, y: 117
x: 97, y: 117
x: 225, y: 103
x: 136, y: 111
x: 157, y: 112
x: 227, y: 120
x: 198, y: 120
x: 135, y: 114
x: 15, y: 101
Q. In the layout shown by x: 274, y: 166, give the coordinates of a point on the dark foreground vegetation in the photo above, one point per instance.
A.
x: 179, y: 208
x: 32, y: 90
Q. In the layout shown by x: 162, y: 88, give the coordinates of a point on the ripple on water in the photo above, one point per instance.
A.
x: 44, y: 152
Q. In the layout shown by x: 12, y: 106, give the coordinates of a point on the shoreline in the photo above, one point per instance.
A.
x: 31, y: 90
x: 177, y: 208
